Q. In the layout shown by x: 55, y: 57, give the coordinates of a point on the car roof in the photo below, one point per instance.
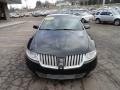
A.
x: 74, y: 16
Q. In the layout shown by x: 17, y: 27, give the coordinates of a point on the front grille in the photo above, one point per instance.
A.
x: 70, y: 61
x: 73, y: 60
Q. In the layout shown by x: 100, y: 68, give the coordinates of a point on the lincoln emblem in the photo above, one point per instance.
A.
x: 60, y: 63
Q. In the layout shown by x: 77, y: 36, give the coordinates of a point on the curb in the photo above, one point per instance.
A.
x: 11, y: 24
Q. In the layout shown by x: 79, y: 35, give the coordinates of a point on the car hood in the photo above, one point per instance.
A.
x: 60, y: 42
x: 117, y: 16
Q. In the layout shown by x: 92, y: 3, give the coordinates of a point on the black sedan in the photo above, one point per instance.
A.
x: 61, y: 48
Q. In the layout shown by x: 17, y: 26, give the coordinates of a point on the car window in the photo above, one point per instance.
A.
x: 61, y: 22
x: 77, y: 14
x: 104, y: 13
x: 109, y: 13
x: 97, y: 13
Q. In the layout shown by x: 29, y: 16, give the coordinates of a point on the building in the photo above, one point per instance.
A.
x: 80, y: 2
x: 63, y: 3
x: 4, y: 13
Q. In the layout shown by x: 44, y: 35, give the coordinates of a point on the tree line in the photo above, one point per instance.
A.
x: 80, y: 2
x: 92, y: 2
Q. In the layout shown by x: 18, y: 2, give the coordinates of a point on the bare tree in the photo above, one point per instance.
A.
x: 38, y: 4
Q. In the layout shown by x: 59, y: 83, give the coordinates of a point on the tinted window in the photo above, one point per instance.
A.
x: 61, y: 22
x: 97, y: 13
x: 103, y: 13
x: 108, y: 13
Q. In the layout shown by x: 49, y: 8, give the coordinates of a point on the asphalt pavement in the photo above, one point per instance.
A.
x: 14, y: 74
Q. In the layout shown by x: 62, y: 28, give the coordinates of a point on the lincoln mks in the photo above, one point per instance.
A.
x: 61, y: 48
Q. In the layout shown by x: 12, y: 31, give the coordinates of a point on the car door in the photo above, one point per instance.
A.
x: 110, y: 17
x: 107, y: 16
x: 104, y: 16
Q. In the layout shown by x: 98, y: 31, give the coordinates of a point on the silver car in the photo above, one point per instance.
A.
x: 85, y: 17
x: 108, y: 16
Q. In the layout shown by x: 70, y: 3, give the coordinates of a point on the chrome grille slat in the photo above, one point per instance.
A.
x: 82, y: 58
x: 44, y: 59
x: 79, y: 59
x: 47, y: 60
x: 52, y: 61
x: 55, y: 60
x: 41, y: 58
x: 66, y: 60
x: 75, y: 60
x: 71, y: 61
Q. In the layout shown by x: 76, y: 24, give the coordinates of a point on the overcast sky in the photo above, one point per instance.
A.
x: 30, y: 3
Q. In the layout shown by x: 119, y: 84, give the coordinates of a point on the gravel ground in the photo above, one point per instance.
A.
x: 14, y: 75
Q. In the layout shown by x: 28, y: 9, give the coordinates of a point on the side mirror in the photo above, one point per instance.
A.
x: 35, y: 26
x: 87, y: 26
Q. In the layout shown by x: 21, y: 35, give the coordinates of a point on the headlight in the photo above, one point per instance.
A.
x: 91, y: 55
x: 32, y: 55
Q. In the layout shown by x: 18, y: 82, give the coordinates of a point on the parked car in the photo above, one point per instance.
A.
x: 14, y: 15
x: 79, y: 10
x: 22, y: 14
x: 35, y: 14
x: 45, y: 13
x: 61, y: 48
x: 85, y: 17
x: 93, y: 12
x: 27, y: 14
x: 108, y: 15
x: 117, y: 9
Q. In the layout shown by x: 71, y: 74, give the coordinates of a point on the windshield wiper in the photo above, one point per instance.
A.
x: 57, y: 29
x: 45, y: 29
x: 65, y: 29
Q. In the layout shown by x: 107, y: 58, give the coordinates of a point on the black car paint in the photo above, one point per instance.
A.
x: 61, y: 43
x: 86, y: 68
x: 78, y: 41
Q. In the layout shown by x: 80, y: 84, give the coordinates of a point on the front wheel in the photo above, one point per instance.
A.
x: 97, y: 21
x: 117, y: 22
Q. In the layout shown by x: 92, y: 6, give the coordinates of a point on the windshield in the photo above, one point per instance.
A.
x: 61, y: 23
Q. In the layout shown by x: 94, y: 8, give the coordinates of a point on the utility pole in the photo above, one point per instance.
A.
x: 26, y: 5
x: 103, y: 2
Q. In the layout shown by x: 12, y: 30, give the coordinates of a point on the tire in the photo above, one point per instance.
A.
x: 117, y: 22
x: 83, y: 20
x: 97, y: 21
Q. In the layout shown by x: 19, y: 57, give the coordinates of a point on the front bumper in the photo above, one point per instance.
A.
x: 60, y: 77
x: 61, y: 74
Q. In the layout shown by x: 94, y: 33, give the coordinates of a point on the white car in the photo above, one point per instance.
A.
x: 108, y: 15
x: 27, y: 14
x: 85, y: 17
x: 14, y: 15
